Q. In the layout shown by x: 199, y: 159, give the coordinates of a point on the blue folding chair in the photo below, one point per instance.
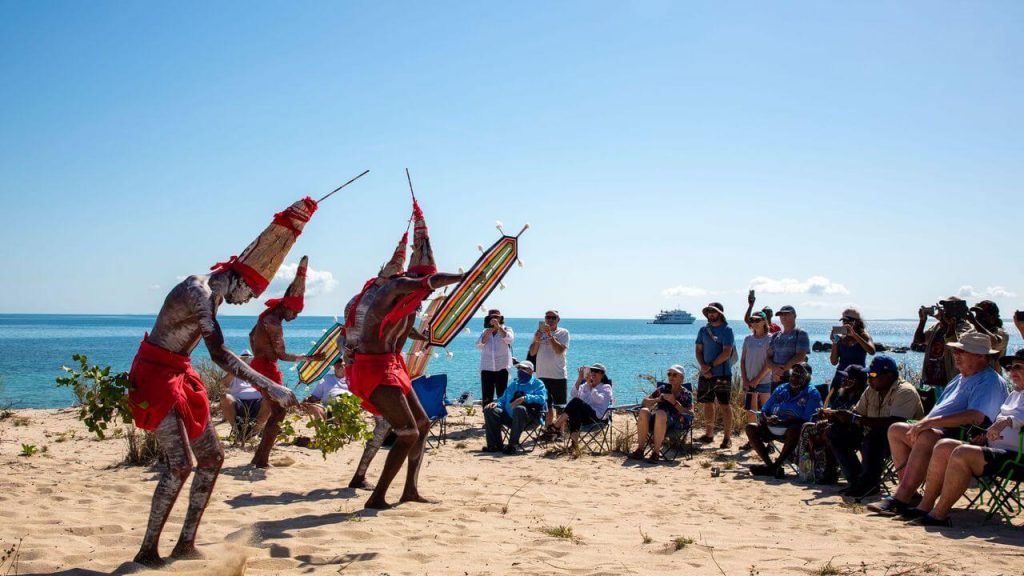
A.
x: 431, y: 391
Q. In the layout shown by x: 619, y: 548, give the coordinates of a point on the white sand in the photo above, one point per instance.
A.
x: 78, y: 512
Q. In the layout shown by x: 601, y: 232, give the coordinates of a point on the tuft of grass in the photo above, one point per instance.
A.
x: 731, y: 464
x: 855, y: 507
x: 28, y: 450
x: 827, y: 569
x: 645, y: 536
x: 20, y: 421
x: 705, y: 463
x: 564, y: 532
x: 460, y: 445
x: 682, y: 542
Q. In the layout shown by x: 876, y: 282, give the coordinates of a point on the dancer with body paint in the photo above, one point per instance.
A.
x: 267, y: 342
x: 377, y: 323
x: 167, y: 396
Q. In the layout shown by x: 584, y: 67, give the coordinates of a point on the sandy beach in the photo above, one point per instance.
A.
x: 77, y: 511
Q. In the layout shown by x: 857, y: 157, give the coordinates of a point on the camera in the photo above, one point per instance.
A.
x: 954, y: 309
x: 839, y: 332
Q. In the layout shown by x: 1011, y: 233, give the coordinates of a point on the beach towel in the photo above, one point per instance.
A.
x: 161, y: 380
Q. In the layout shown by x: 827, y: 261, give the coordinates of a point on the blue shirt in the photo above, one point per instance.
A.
x: 788, y: 407
x: 785, y: 345
x: 714, y: 339
x: 534, y: 391
x: 984, y: 391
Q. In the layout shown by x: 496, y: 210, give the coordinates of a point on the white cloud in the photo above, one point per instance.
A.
x: 815, y: 285
x: 968, y: 291
x: 317, y: 281
x: 684, y: 292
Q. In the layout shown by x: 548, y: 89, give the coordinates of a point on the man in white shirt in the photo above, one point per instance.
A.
x: 495, y: 345
x: 242, y: 399
x: 549, y: 347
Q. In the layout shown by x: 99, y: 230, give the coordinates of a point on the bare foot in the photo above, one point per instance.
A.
x: 149, y: 558
x: 374, y: 504
x: 256, y: 464
x: 417, y: 498
x: 361, y: 484
x: 186, y: 552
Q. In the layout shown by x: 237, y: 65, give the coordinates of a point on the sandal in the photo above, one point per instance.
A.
x: 654, y: 457
x: 636, y: 455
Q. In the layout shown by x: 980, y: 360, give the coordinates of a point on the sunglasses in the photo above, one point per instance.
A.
x: 551, y: 317
x: 757, y: 319
x: 1016, y: 366
x: 847, y: 319
x: 595, y: 370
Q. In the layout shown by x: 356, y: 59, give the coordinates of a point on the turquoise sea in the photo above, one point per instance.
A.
x: 33, y: 348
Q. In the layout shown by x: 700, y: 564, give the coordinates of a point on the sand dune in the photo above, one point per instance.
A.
x: 78, y: 512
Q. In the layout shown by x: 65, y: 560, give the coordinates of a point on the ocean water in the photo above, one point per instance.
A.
x: 33, y: 348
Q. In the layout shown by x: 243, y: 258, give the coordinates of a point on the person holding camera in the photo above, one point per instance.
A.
x: 591, y: 400
x: 851, y: 344
x: 549, y: 347
x: 984, y: 317
x: 748, y: 316
x: 495, y: 345
x: 669, y: 407
x: 521, y: 404
x: 938, y: 367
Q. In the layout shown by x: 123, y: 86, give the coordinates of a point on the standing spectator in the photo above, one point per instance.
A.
x: 714, y: 350
x: 591, y: 400
x: 984, y: 317
x: 495, y: 345
x: 788, y: 348
x: 772, y: 326
x: 972, y: 398
x: 887, y: 400
x: 755, y: 373
x: 938, y: 367
x: 852, y: 349
x: 550, y: 343
x: 1018, y: 321
x: 522, y: 404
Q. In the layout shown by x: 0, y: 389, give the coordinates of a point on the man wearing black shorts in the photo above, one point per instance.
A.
x: 714, y: 349
x: 550, y: 344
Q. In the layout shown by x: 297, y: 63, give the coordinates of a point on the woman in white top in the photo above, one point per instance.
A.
x: 953, y: 463
x: 591, y: 399
x: 495, y: 345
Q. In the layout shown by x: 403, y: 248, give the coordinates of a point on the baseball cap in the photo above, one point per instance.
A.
x: 525, y: 364
x: 855, y: 372
x: 787, y: 309
x: 678, y: 369
x: 882, y: 363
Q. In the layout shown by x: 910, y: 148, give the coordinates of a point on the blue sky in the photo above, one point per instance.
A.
x: 663, y: 153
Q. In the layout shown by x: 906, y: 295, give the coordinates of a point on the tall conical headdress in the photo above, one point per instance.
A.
x: 422, y: 261
x: 295, y: 295
x: 261, y: 259
x: 396, y: 265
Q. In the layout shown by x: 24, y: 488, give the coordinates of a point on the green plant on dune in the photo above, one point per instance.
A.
x: 102, y: 397
x: 346, y: 424
x: 28, y: 450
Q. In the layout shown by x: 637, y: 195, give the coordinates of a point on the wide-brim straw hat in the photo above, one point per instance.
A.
x: 974, y: 343
x: 1017, y: 356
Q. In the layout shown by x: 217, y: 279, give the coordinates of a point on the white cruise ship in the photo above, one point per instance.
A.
x: 676, y: 316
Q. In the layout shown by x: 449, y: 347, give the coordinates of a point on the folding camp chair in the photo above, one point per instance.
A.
x: 431, y: 391
x: 1002, y: 489
x: 596, y: 437
x: 530, y: 437
x: 677, y: 441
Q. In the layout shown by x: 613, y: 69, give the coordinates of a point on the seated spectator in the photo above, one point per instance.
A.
x: 984, y: 317
x: 330, y: 387
x: 887, y: 400
x: 786, y: 410
x: 852, y: 349
x: 591, y: 399
x: 972, y: 398
x: 242, y: 404
x: 953, y: 463
x: 817, y: 463
x: 755, y: 373
x: 669, y: 407
x: 523, y: 402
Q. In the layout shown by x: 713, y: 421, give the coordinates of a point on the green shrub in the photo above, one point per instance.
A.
x: 102, y: 398
x: 345, y: 425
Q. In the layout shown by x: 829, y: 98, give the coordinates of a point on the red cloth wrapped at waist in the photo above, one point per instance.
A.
x: 368, y: 371
x: 267, y: 368
x: 161, y: 380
